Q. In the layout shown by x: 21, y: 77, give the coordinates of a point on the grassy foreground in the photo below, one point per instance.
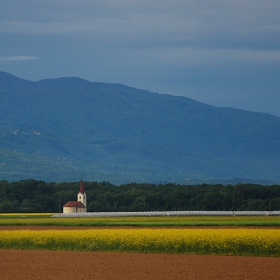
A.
x: 45, y: 219
x: 254, y: 242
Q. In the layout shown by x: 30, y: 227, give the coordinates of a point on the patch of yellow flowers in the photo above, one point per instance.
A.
x: 24, y: 214
x: 258, y: 242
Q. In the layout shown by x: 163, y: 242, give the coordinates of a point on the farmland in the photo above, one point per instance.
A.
x: 180, y: 235
x: 139, y: 247
x: 257, y: 242
x: 44, y: 219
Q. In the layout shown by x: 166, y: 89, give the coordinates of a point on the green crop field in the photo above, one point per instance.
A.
x: 45, y: 219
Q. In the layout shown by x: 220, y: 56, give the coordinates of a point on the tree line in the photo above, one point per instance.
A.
x: 39, y: 196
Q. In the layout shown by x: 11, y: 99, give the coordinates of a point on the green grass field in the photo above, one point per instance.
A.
x: 45, y: 219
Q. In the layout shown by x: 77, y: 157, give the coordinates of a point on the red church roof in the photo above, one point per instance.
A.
x: 77, y: 204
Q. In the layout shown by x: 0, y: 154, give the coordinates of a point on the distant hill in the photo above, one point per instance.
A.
x: 58, y: 129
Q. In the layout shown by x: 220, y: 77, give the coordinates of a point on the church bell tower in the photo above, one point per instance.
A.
x: 81, y: 197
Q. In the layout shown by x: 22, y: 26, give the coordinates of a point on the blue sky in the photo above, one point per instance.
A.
x: 223, y: 53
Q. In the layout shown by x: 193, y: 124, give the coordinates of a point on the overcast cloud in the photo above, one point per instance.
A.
x: 224, y: 53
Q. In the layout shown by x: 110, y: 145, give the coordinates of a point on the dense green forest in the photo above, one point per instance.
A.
x: 40, y: 196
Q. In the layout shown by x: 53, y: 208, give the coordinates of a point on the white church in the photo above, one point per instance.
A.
x: 79, y: 206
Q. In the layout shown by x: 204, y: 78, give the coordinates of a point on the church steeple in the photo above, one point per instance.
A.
x: 81, y: 197
x: 82, y: 188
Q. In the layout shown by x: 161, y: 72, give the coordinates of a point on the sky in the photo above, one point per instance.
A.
x: 223, y: 53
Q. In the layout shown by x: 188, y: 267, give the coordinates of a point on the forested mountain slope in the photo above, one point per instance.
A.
x: 56, y: 129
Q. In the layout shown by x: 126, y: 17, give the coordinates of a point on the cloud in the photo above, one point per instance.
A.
x: 19, y: 58
x: 211, y: 24
x: 211, y: 50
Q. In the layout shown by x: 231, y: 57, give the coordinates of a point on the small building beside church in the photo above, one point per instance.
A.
x: 79, y: 206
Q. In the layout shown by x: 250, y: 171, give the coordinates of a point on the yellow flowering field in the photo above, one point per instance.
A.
x: 257, y: 242
x: 25, y: 215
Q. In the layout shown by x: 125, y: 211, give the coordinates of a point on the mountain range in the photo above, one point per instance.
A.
x: 60, y: 129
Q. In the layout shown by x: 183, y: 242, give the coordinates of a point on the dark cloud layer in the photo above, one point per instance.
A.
x: 225, y: 53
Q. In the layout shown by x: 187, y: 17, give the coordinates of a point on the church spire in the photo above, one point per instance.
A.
x: 82, y: 189
x: 81, y: 197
